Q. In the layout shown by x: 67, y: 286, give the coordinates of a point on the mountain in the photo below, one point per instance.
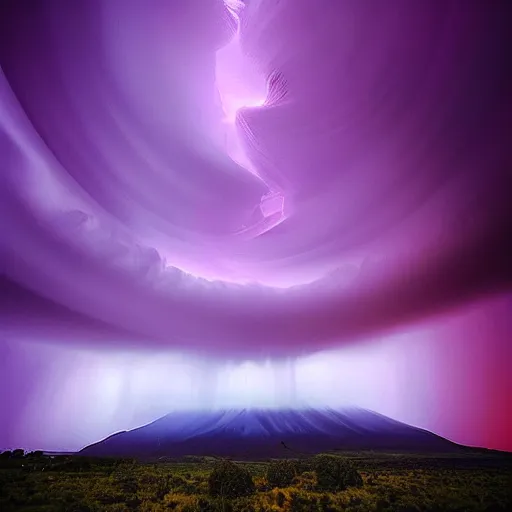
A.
x: 268, y: 433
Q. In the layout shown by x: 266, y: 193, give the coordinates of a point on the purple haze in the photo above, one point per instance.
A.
x: 256, y: 181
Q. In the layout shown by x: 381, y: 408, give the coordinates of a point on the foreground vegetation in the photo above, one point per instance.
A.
x: 352, y: 482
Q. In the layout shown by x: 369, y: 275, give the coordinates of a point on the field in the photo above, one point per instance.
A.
x: 389, y: 483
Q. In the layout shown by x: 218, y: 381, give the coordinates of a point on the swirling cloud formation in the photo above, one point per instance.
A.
x: 259, y: 178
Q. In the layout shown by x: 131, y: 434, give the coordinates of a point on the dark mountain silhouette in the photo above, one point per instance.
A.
x: 266, y: 433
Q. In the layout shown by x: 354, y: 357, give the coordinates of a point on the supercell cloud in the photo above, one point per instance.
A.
x: 375, y: 189
x: 250, y: 179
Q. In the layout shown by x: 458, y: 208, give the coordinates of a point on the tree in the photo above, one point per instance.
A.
x: 38, y: 454
x: 230, y: 480
x: 335, y: 474
x: 281, y: 473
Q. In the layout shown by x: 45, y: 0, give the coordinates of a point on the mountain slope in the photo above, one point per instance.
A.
x: 264, y: 433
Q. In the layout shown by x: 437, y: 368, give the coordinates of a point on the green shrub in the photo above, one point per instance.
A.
x: 281, y: 473
x: 127, y: 483
x: 155, y: 485
x: 206, y: 505
x: 243, y: 505
x: 306, y: 481
x: 304, y: 465
x: 38, y: 454
x: 335, y: 474
x: 230, y: 480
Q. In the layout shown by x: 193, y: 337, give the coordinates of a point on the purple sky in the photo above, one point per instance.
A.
x: 237, y: 184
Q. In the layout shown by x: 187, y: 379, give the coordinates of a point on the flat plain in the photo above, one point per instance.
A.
x: 390, y: 482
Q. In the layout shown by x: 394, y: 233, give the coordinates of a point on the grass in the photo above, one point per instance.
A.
x: 392, y: 482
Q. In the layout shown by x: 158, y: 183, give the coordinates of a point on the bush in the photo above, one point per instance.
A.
x: 127, y: 483
x: 306, y: 481
x: 304, y: 465
x: 335, y: 474
x: 230, y: 480
x: 18, y: 454
x: 281, y: 473
x: 154, y: 485
x: 38, y: 454
x: 243, y: 505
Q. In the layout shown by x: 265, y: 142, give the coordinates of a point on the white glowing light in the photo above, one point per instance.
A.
x: 96, y: 393
x: 239, y: 85
x: 232, y: 104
